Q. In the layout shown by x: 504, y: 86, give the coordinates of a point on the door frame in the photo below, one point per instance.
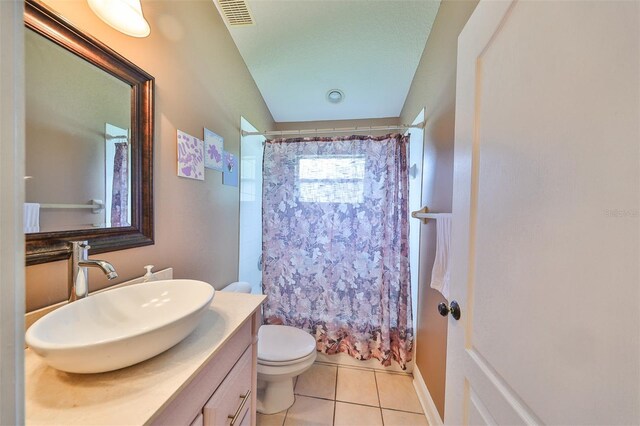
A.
x: 12, y: 301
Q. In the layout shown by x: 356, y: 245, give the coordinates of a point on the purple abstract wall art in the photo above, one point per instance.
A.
x: 190, y: 156
x: 230, y: 172
x: 213, y: 150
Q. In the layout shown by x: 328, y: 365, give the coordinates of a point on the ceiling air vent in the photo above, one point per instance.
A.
x: 236, y: 12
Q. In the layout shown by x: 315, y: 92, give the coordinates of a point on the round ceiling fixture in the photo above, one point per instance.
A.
x: 123, y: 15
x: 335, y: 96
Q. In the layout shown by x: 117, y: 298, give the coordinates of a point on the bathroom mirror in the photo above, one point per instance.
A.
x: 89, y: 142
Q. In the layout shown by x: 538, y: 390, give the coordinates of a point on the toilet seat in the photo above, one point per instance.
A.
x: 282, y: 345
x: 285, y: 363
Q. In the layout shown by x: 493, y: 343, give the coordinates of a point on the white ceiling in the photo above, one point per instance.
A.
x: 300, y: 49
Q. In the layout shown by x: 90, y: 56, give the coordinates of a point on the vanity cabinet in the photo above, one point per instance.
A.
x: 230, y: 403
x: 204, y: 379
x: 223, y: 392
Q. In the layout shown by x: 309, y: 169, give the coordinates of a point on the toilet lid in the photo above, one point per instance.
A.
x: 284, y: 343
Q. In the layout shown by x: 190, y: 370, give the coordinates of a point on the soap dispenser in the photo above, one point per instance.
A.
x: 149, y: 276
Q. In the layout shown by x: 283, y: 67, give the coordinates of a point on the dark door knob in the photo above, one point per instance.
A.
x: 454, y: 308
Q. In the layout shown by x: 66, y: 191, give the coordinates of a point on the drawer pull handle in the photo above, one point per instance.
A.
x: 234, y: 417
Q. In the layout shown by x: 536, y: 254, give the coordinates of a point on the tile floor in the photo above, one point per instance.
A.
x: 327, y: 394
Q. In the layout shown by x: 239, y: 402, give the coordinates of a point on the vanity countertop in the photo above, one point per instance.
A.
x: 136, y: 394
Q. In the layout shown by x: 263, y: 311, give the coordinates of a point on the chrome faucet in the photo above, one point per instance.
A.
x: 78, y: 264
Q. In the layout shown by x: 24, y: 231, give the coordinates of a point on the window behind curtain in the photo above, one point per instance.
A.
x: 331, y: 179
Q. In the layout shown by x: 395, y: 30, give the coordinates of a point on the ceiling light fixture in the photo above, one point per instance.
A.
x: 335, y: 96
x: 123, y: 15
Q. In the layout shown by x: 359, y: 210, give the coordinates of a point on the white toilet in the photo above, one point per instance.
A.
x: 284, y: 352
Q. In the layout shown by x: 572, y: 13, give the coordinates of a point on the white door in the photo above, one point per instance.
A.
x: 546, y: 224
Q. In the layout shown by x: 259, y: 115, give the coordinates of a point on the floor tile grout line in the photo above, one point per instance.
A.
x: 312, y: 387
x: 287, y: 412
x: 365, y: 406
x: 335, y: 400
x: 375, y: 406
x: 368, y: 370
x: 333, y: 420
x: 375, y: 377
x: 355, y: 367
x: 403, y: 411
x: 357, y: 403
x: 315, y: 397
x: 335, y: 397
x: 359, y: 367
x: 354, y: 403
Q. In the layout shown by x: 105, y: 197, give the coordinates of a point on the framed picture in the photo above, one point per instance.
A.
x: 213, y: 150
x: 230, y: 172
x: 190, y: 156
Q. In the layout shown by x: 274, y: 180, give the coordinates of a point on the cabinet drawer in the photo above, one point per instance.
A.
x: 232, y: 399
x: 247, y: 419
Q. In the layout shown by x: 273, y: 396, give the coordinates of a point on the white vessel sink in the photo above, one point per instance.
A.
x: 120, y: 327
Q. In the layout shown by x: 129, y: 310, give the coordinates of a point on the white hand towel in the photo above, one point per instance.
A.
x: 440, y: 274
x: 31, y: 217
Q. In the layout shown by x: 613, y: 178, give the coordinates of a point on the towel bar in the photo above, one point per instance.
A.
x: 95, y: 205
x: 424, y: 215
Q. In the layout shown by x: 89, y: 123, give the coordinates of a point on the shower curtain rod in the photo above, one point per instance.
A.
x: 333, y: 130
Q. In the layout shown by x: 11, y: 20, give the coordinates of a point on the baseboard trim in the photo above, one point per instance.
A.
x: 428, y: 406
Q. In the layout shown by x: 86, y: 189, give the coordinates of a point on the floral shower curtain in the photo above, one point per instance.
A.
x: 120, y: 188
x: 336, y: 243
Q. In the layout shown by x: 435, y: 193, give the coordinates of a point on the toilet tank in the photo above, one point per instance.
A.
x: 238, y: 287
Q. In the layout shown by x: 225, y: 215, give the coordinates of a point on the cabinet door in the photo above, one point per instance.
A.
x: 183, y: 409
x: 199, y: 421
x: 232, y: 400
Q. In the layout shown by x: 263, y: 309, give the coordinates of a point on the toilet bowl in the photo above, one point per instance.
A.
x: 284, y: 352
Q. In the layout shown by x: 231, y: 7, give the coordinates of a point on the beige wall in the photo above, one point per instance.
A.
x: 201, y: 81
x: 338, y: 124
x: 433, y: 87
x: 68, y: 102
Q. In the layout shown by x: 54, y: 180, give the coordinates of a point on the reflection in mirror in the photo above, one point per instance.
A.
x: 89, y: 142
x: 78, y: 155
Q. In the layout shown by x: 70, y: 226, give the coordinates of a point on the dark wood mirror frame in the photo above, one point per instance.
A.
x: 50, y: 246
